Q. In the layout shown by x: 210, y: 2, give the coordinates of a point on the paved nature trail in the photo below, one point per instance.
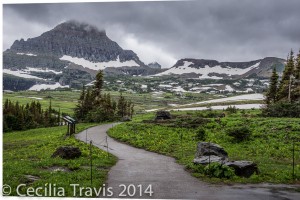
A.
x: 169, y: 180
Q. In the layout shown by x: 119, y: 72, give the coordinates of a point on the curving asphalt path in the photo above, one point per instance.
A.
x: 168, y: 179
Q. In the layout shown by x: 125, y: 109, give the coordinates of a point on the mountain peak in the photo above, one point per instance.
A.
x: 73, y: 25
x: 154, y: 65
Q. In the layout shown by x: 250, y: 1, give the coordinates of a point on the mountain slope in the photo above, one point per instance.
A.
x: 70, y: 54
x: 212, y: 69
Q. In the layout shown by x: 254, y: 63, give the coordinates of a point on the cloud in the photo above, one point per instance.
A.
x: 146, y: 50
x: 16, y: 27
x: 230, y: 30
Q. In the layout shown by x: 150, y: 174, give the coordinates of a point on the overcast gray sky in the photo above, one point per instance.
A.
x: 224, y: 30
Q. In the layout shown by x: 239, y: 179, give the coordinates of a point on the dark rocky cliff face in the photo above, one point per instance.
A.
x: 73, y: 39
x: 76, y: 40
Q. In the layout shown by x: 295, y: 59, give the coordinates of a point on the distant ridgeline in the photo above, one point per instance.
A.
x: 93, y: 106
x: 23, y: 117
x: 283, y: 96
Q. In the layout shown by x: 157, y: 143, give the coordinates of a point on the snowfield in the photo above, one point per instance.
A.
x: 25, y: 73
x: 37, y: 98
x: 242, y: 106
x: 185, y: 69
x: 20, y: 73
x: 39, y: 87
x: 28, y: 54
x: 30, y: 69
x: 99, y: 65
x: 244, y: 97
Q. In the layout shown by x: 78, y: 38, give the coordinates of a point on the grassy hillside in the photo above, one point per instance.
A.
x: 269, y: 144
x: 63, y: 100
x: 29, y: 153
x: 66, y: 100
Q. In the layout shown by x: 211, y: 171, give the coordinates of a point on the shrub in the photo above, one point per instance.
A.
x: 200, y: 134
x: 239, y: 133
x: 219, y: 171
x: 231, y: 109
x: 195, y: 168
x: 282, y: 109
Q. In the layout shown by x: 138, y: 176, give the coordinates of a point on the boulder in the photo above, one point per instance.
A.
x: 67, y: 152
x: 126, y: 119
x: 243, y: 168
x: 30, y: 178
x: 207, y: 148
x: 163, y: 115
x: 210, y: 153
x: 205, y: 160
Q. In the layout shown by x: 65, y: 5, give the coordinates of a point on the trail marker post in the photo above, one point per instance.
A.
x: 91, y: 159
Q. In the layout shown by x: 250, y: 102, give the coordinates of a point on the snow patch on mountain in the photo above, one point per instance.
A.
x: 207, y: 70
x: 28, y: 54
x: 39, y: 87
x: 30, y: 69
x: 20, y: 73
x: 99, y: 65
x: 229, y: 88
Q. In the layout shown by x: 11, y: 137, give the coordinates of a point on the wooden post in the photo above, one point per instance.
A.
x: 107, y: 146
x: 91, y: 162
x: 293, y: 160
x: 68, y: 132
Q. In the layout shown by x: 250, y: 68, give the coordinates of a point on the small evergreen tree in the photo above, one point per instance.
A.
x: 296, y: 90
x: 79, y: 110
x: 271, y: 96
x: 297, y: 67
x: 98, y: 84
x: 121, y: 106
x: 283, y: 90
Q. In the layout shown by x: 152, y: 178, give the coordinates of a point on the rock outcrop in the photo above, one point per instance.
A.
x: 243, y: 168
x: 209, y: 153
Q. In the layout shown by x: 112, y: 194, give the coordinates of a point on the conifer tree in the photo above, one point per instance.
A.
x: 96, y: 92
x: 271, y: 96
x: 296, y: 86
x: 79, y: 110
x: 297, y: 67
x: 121, y: 106
x: 283, y: 90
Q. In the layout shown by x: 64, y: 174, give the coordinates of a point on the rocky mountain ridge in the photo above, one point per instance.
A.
x: 213, y: 69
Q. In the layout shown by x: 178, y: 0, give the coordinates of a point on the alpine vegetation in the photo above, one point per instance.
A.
x: 93, y: 106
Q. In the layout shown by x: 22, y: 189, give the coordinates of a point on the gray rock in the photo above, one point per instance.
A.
x: 210, y: 153
x: 205, y: 160
x: 206, y: 149
x: 67, y: 152
x: 126, y: 119
x: 243, y: 168
x: 31, y: 178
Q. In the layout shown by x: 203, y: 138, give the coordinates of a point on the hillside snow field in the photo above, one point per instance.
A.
x: 100, y: 65
x: 245, y: 97
x: 207, y: 70
x: 39, y: 87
